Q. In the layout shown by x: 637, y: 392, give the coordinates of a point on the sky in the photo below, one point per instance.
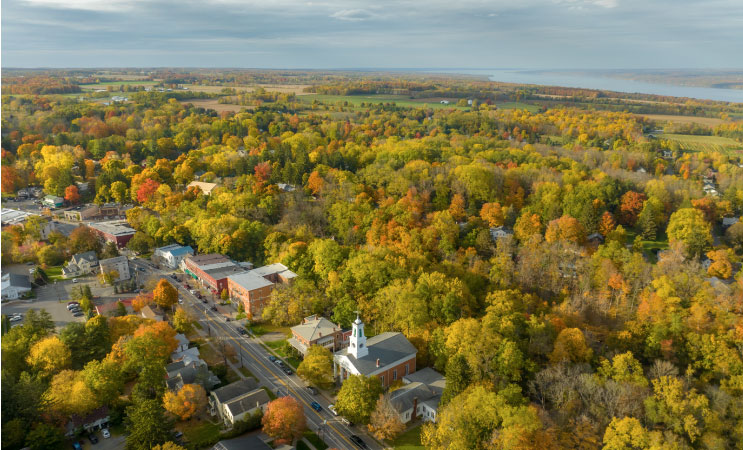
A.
x: 336, y: 34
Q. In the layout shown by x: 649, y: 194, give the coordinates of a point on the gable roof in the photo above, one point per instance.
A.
x: 388, y: 347
x: 234, y: 390
x: 315, y: 327
x: 112, y: 261
x: 182, y: 339
x: 148, y: 313
x: 87, y: 256
x: 247, y: 401
x: 404, y: 398
x: 252, y: 442
x: 206, y: 188
x: 16, y: 281
x: 434, y: 380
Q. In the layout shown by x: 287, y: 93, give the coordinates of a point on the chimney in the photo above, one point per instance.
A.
x: 320, y: 333
x: 377, y: 362
x: 415, y: 408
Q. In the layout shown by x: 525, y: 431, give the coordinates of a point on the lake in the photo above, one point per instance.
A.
x: 586, y: 81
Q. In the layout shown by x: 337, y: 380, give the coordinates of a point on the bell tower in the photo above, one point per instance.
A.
x: 357, y: 346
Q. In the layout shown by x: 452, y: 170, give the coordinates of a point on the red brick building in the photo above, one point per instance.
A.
x: 117, y: 232
x: 253, y: 288
x: 211, y: 270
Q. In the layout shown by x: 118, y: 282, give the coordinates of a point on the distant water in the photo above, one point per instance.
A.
x: 586, y: 81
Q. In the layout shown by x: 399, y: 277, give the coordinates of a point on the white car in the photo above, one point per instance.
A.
x: 16, y: 318
x: 106, y: 434
x: 332, y: 409
x: 180, y: 301
x: 74, y: 280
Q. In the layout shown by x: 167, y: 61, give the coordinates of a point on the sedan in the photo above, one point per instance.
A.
x: 242, y: 331
x: 316, y: 406
x: 78, y: 314
x: 312, y: 390
x: 288, y: 371
x: 213, y: 308
x: 16, y: 318
x: 271, y: 358
x: 332, y: 409
x: 106, y: 434
x: 358, y: 441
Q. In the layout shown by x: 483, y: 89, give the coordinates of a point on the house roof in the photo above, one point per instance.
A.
x: 202, y: 261
x: 16, y: 281
x: 252, y: 442
x: 78, y: 421
x: 247, y: 401
x: 727, y: 221
x: 87, y: 256
x: 314, y: 328
x: 114, y: 228
x: 234, y: 390
x: 187, y: 356
x: 249, y: 281
x: 388, y: 347
x: 434, y: 380
x: 14, y: 216
x: 182, y: 339
x: 206, y: 188
x: 148, y: 313
x: 404, y: 398
x: 113, y: 306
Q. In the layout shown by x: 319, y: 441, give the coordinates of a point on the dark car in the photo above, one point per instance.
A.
x: 242, y: 331
x: 93, y: 439
x: 288, y: 371
x: 271, y: 358
x: 178, y: 435
x: 78, y: 314
x: 203, y: 300
x: 358, y: 441
x: 312, y: 390
x: 316, y: 406
x: 213, y: 308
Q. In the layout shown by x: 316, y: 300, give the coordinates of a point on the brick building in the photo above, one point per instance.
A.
x: 211, y: 270
x: 389, y: 356
x: 253, y: 288
x: 116, y: 231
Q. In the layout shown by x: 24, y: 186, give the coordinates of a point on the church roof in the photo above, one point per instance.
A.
x: 388, y: 347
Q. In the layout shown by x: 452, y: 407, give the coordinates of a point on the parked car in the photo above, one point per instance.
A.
x: 288, y: 371
x: 331, y: 408
x: 213, y: 308
x: 271, y: 358
x: 16, y: 318
x: 76, y: 445
x: 93, y: 439
x: 105, y: 433
x: 71, y: 307
x: 242, y: 331
x: 312, y: 390
x: 358, y: 441
x: 203, y: 300
x: 180, y: 301
x: 74, y: 280
x: 346, y: 422
x: 192, y: 291
x: 78, y: 314
x: 316, y: 406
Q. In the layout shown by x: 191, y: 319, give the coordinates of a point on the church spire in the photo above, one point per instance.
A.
x: 357, y: 346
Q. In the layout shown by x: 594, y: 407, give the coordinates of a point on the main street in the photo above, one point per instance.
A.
x: 254, y: 357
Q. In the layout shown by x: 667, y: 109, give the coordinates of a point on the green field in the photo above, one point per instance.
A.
x: 118, y: 83
x: 691, y: 143
x: 399, y: 100
x: 518, y: 105
x: 409, y: 440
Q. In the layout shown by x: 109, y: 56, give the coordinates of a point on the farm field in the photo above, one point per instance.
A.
x: 399, y: 100
x: 212, y: 103
x: 118, y: 83
x: 297, y: 89
x: 691, y: 143
x: 710, y: 121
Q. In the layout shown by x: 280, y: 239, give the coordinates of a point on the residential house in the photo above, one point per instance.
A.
x: 116, y: 231
x: 172, y: 255
x: 206, y: 188
x: 211, y: 270
x: 53, y: 201
x: 182, y: 342
x: 595, y: 238
x: 96, y: 420
x: 253, y: 288
x: 251, y: 442
x: 316, y: 330
x: 729, y: 221
x: 236, y: 400
x: 181, y: 373
x: 148, y: 313
x: 420, y: 395
x: 286, y: 187
x: 497, y: 233
x: 14, y: 286
x: 389, y: 356
x: 118, y: 264
x: 81, y: 264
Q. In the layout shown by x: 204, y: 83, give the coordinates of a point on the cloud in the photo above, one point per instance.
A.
x: 352, y: 15
x: 86, y: 5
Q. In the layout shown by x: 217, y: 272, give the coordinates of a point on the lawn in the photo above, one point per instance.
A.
x: 200, y: 434
x: 409, y: 440
x: 691, y: 143
x: 315, y: 440
x: 259, y: 329
x: 517, y: 105
x: 54, y: 273
x: 278, y: 348
x: 119, y: 83
x: 270, y: 393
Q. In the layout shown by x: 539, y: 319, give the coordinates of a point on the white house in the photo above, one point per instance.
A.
x: 236, y: 400
x: 172, y: 255
x: 81, y: 264
x: 499, y: 233
x: 14, y: 286
x: 119, y: 264
x: 420, y: 395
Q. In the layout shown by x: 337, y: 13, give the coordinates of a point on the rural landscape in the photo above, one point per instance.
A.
x: 335, y: 226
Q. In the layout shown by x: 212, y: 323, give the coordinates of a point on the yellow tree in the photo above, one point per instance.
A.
x: 317, y: 366
x: 187, y: 402
x: 721, y: 266
x: 385, y: 422
x: 493, y: 214
x: 570, y: 345
x: 165, y: 295
x: 49, y: 355
x: 69, y: 394
x: 526, y: 226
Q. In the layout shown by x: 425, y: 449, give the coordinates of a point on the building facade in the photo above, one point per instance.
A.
x: 116, y: 231
x: 211, y: 270
x: 172, y: 255
x: 119, y: 264
x: 317, y: 330
x: 253, y: 288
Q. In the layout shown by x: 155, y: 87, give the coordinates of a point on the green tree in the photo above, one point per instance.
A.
x: 458, y: 378
x: 317, y: 366
x: 688, y: 225
x: 140, y: 243
x: 147, y: 425
x: 358, y: 397
x: 45, y: 437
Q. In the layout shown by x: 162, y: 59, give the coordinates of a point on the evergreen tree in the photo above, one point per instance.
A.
x: 458, y: 377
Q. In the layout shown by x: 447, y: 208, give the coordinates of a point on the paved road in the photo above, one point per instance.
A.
x: 255, y: 357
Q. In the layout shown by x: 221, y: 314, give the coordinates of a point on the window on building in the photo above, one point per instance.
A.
x: 382, y: 377
x: 394, y: 375
x: 406, y: 369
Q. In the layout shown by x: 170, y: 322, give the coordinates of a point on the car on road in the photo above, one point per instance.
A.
x: 358, y: 441
x: 316, y: 406
x: 180, y: 301
x: 203, y: 300
x: 76, y: 445
x: 279, y: 362
x: 312, y: 390
x: 271, y: 358
x: 331, y: 408
x: 105, y: 433
x: 16, y: 318
x: 74, y: 280
x: 213, y: 308
x: 93, y: 439
x: 346, y: 422
x: 288, y: 371
x: 192, y: 291
x: 242, y: 331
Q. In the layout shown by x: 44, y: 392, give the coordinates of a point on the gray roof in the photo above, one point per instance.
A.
x: 250, y: 281
x: 404, y: 398
x: 112, y: 261
x: 87, y: 256
x: 388, y: 347
x: 224, y: 272
x: 172, y: 367
x: 233, y: 390
x: 315, y: 327
x: 247, y: 402
x: 434, y: 380
x: 252, y: 442
x: 275, y: 268
x: 19, y: 281
x: 182, y: 339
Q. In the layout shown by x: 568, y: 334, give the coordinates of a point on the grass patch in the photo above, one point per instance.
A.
x: 518, y: 105
x: 409, y: 440
x: 201, y: 434
x: 315, y: 440
x: 691, y: 143
x: 270, y: 393
x: 54, y: 273
x: 232, y: 376
x: 279, y: 347
x: 259, y: 329
x: 302, y: 446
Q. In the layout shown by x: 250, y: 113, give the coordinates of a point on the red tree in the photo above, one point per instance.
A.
x: 9, y: 179
x: 147, y: 190
x: 263, y: 171
x: 284, y: 420
x: 630, y: 207
x: 71, y: 194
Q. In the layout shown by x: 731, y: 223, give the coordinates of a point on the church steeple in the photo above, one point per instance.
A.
x: 357, y: 346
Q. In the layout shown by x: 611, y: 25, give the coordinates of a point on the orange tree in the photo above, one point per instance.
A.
x: 284, y: 420
x: 165, y: 295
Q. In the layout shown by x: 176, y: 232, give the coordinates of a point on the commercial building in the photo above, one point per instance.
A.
x: 211, y: 270
x: 172, y: 255
x: 253, y: 288
x: 116, y: 231
x: 109, y: 211
x: 119, y: 264
x: 53, y: 201
x: 14, y: 217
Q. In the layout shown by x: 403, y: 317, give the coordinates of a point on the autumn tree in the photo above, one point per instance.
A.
x: 71, y: 194
x: 317, y: 366
x: 458, y: 378
x: 526, y: 226
x: 721, y: 267
x: 147, y: 424
x: 630, y: 206
x: 141, y: 301
x: 165, y: 295
x: 565, y: 228
x: 49, y: 355
x: 571, y: 345
x: 146, y: 190
x: 83, y: 239
x: 607, y: 224
x: 187, y: 402
x: 284, y: 420
x: 358, y: 397
x: 68, y: 394
x: 183, y: 321
x: 385, y: 423
x: 688, y: 226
